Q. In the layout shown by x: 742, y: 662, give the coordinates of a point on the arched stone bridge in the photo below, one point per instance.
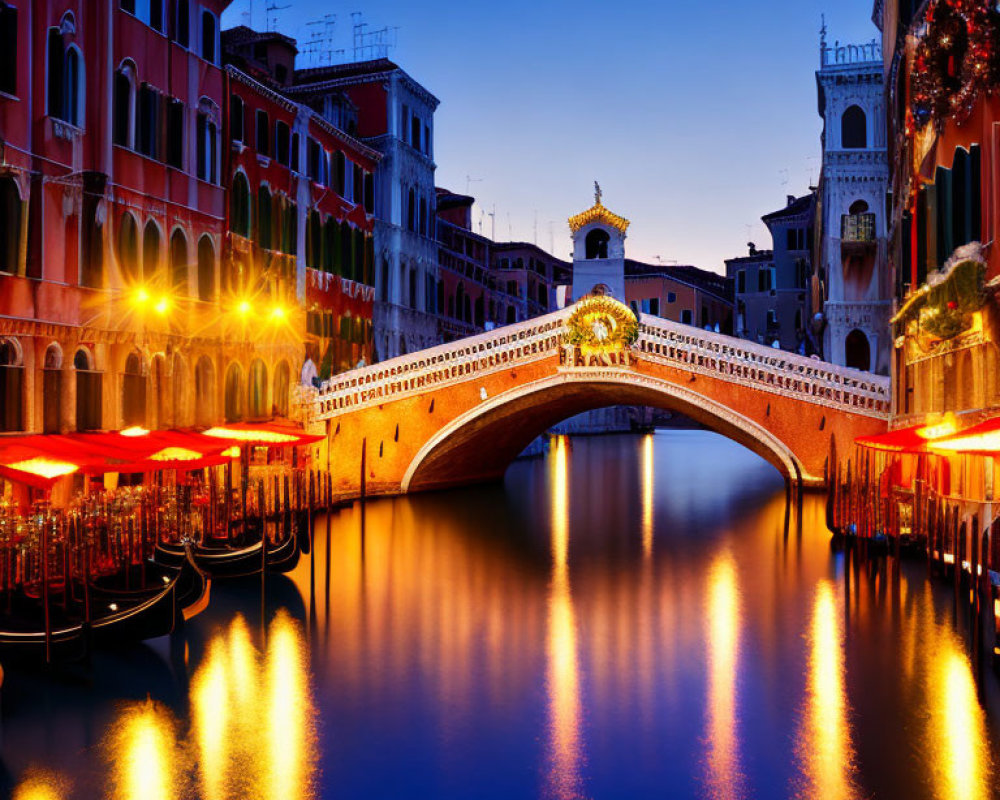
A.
x: 460, y: 413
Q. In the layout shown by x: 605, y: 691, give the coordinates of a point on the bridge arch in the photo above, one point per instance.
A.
x: 483, y: 441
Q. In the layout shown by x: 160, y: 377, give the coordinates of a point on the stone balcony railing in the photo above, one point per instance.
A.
x: 660, y: 341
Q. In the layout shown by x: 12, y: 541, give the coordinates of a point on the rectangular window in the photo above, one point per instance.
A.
x: 236, y: 119
x: 8, y: 49
x: 772, y: 319
x: 654, y: 306
x: 148, y: 121
x: 645, y: 305
x: 427, y: 139
x: 741, y: 281
x: 263, y: 134
x: 128, y: 5
x: 415, y: 132
x: 282, y: 143
x: 313, y: 158
x: 175, y: 133
x: 156, y: 14
x: 208, y: 36
x: 206, y: 149
x: 686, y: 316
x: 294, y: 160
x: 791, y: 241
x: 671, y: 297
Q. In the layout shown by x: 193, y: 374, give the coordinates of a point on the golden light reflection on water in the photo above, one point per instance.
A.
x: 725, y: 778
x: 40, y: 784
x: 143, y: 750
x: 563, y: 682
x: 959, y: 756
x: 647, y: 495
x: 824, y: 743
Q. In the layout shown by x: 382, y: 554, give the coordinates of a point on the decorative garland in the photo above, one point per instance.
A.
x: 958, y: 58
x: 944, y: 308
x: 601, y: 323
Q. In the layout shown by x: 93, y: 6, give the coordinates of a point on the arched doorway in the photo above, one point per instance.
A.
x: 282, y: 381
x: 160, y: 396
x: 857, y: 351
x: 204, y: 392
x: 179, y: 262
x: 178, y: 392
x: 234, y: 393
x: 52, y: 389
x: 133, y: 392
x: 89, y: 386
x: 258, y: 390
x: 11, y: 386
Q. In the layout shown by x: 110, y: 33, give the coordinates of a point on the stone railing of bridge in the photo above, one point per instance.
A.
x: 660, y: 341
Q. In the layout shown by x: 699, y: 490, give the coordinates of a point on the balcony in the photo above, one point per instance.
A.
x: 857, y: 228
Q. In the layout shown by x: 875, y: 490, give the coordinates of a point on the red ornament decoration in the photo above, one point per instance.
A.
x: 957, y: 59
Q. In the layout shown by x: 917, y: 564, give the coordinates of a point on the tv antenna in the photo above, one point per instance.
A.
x: 319, y: 49
x: 271, y: 22
x: 371, y: 44
x: 493, y: 223
x: 469, y: 180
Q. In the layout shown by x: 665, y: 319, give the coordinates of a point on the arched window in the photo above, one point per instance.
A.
x: 853, y: 129
x: 88, y: 392
x: 282, y: 143
x: 858, y: 207
x: 151, y: 252
x: 857, y: 351
x: 282, y: 381
x: 264, y: 218
x: 133, y: 392
x: 258, y: 390
x: 179, y: 261
x: 57, y: 73
x: 239, y: 206
x: 178, y: 392
x: 71, y: 87
x: 206, y: 268
x: 124, y: 105
x: 65, y: 78
x: 11, y: 387
x: 128, y: 248
x: 10, y: 226
x: 234, y: 393
x: 596, y: 244
x: 207, y: 148
x: 204, y: 392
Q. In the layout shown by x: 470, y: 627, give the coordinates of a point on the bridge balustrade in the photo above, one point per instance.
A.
x: 659, y: 339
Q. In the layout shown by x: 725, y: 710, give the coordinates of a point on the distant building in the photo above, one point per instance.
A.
x: 395, y: 116
x: 853, y: 266
x: 772, y: 286
x: 531, y: 276
x: 682, y: 294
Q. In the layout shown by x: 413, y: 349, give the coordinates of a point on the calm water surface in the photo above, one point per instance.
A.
x: 629, y: 617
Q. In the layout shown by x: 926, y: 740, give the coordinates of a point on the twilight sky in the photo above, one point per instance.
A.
x: 696, y: 117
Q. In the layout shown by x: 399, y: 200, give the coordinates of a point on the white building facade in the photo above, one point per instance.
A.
x: 853, y: 263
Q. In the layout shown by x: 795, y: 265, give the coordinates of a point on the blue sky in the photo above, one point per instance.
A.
x: 696, y: 117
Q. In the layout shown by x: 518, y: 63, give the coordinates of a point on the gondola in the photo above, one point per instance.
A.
x: 229, y: 562
x: 114, y: 618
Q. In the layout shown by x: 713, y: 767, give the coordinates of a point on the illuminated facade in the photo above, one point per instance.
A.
x: 852, y: 263
x: 113, y: 306
x: 941, y: 72
x: 395, y: 116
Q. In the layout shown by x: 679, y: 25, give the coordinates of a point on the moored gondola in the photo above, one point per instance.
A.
x: 230, y: 562
x: 106, y: 618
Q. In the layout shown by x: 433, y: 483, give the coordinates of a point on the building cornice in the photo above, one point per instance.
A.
x: 260, y: 88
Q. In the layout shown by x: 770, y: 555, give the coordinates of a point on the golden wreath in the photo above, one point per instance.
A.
x: 602, y: 323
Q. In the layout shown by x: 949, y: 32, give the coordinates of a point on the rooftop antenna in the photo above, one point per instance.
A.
x: 784, y: 172
x: 493, y: 223
x: 370, y: 45
x: 271, y: 22
x: 469, y: 180
x: 320, y: 45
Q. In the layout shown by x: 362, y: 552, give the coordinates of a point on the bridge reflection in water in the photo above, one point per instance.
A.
x: 628, y: 618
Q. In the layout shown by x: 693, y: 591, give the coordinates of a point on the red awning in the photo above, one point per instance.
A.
x: 982, y: 439
x: 262, y: 434
x: 903, y: 440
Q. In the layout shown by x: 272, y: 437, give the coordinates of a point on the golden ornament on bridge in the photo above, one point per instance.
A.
x: 601, y: 324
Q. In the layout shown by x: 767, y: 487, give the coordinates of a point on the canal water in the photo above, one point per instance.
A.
x: 630, y: 616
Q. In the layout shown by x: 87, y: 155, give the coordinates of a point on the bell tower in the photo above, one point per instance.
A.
x: 598, y: 250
